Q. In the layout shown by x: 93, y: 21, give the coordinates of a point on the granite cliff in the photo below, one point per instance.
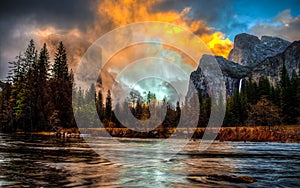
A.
x: 249, y: 50
x: 252, y: 58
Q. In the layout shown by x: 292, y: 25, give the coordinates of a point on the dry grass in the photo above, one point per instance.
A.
x: 290, y: 133
x: 261, y: 134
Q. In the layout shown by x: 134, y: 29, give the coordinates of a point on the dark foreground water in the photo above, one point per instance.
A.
x: 43, y: 161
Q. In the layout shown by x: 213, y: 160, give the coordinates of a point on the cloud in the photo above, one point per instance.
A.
x: 118, y: 13
x: 76, y: 21
x: 20, y: 19
x: 283, y: 25
x: 213, y: 11
x: 63, y: 14
x: 283, y: 17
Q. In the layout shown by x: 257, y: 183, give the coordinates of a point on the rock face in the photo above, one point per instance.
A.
x: 271, y: 67
x: 249, y: 50
x: 232, y: 74
x: 252, y: 58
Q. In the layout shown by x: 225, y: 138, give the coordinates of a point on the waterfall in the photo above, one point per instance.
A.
x: 240, y: 85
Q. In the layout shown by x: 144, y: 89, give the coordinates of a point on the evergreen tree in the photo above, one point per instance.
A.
x: 25, y: 102
x: 34, y: 102
x: 138, y: 109
x: 21, y: 101
x: 108, y: 106
x: 178, y: 110
x: 6, y: 111
x: 264, y: 88
x: 30, y: 57
x: 43, y: 66
x: 91, y: 94
x: 236, y: 109
x: 297, y: 102
x: 16, y: 71
x: 41, y: 73
x: 285, y: 96
x: 205, y: 106
x: 231, y: 118
x: 251, y: 92
x: 99, y: 105
x: 293, y: 100
x: 60, y: 67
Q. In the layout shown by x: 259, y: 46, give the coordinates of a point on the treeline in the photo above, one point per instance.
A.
x: 163, y: 114
x: 140, y: 109
x: 37, y: 96
x: 264, y: 104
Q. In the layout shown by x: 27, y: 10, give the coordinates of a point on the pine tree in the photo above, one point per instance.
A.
x: 293, y: 91
x: 91, y: 94
x: 15, y: 76
x: 41, y: 73
x: 26, y: 102
x: 22, y: 100
x: 16, y: 71
x: 5, y: 107
x: 178, y: 110
x: 30, y: 57
x: 250, y: 92
x: 138, y: 109
x: 43, y: 66
x: 99, y: 105
x: 285, y: 96
x: 243, y: 108
x: 297, y: 102
x: 60, y: 67
x: 264, y: 88
x: 108, y: 106
x: 236, y: 109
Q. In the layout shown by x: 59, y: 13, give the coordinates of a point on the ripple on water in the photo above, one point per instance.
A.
x: 38, y: 161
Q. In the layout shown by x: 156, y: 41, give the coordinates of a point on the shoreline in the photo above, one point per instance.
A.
x: 285, y: 133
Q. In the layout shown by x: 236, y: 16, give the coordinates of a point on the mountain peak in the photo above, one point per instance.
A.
x: 251, y: 58
x: 249, y: 50
x: 245, y: 40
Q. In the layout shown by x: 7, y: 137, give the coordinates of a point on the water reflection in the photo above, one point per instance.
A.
x: 37, y: 161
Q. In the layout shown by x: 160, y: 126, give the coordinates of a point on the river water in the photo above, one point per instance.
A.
x: 44, y: 161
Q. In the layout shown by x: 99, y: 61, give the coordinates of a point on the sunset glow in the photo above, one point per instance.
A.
x: 113, y: 14
x: 149, y: 93
x: 125, y: 12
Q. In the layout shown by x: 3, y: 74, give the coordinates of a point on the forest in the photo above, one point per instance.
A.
x: 37, y: 96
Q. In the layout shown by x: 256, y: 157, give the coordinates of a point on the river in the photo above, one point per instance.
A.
x: 45, y: 161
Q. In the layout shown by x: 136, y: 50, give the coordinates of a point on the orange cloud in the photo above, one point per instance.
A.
x: 73, y: 39
x: 113, y: 14
x: 217, y: 43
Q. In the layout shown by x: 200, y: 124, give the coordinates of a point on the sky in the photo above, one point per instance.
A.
x: 78, y: 23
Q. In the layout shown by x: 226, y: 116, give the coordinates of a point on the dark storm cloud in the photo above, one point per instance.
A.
x: 20, y: 17
x: 64, y: 13
x: 17, y: 15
